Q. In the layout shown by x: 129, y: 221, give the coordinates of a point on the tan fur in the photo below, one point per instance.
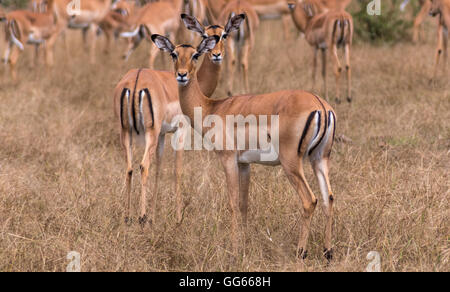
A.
x: 157, y: 17
x: 326, y: 30
x: 293, y: 109
x: 239, y: 49
x: 26, y: 26
x: 441, y: 8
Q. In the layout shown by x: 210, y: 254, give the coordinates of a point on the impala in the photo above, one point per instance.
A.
x: 146, y: 103
x: 441, y: 8
x: 26, y: 27
x: 326, y: 30
x: 88, y: 18
x: 241, y: 43
x: 305, y: 129
x: 424, y: 10
x: 156, y: 17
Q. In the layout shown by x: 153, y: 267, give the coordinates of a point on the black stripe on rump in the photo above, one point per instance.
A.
x: 305, y: 130
x: 149, y: 99
x: 122, y: 96
x: 325, y: 127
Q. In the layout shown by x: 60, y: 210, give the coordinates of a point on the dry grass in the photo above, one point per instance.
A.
x: 61, y: 172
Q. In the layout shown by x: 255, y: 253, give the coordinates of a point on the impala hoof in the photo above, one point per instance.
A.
x: 143, y: 220
x: 328, y: 254
x: 303, y: 254
x: 338, y: 101
x: 349, y: 99
x: 128, y: 221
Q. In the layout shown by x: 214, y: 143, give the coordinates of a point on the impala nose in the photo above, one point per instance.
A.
x: 217, y: 57
x: 182, y: 77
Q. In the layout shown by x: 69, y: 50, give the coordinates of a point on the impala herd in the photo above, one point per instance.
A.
x: 148, y: 104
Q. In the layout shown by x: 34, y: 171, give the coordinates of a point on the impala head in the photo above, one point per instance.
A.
x: 185, y: 57
x: 435, y: 8
x: 217, y: 54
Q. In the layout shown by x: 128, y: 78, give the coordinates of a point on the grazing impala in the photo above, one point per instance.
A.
x: 88, y: 18
x: 241, y: 42
x: 146, y: 103
x: 26, y: 27
x: 424, y: 10
x: 303, y: 127
x: 156, y: 17
x: 326, y: 30
x: 441, y: 8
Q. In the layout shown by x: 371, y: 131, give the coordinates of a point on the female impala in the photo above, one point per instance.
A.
x: 326, y: 30
x: 441, y: 8
x: 26, y: 27
x: 305, y: 129
x: 425, y: 6
x: 146, y: 102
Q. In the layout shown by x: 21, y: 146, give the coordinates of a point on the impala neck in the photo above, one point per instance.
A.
x: 208, y: 76
x: 191, y: 97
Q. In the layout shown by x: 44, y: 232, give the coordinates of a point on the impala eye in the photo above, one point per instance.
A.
x: 174, y: 56
x: 195, y: 57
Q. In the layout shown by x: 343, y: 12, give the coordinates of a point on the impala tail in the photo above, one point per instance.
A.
x: 318, y: 134
x: 342, y: 31
x: 136, y: 109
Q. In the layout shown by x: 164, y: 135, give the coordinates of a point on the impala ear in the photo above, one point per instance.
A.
x: 207, y: 45
x: 193, y: 24
x: 234, y: 23
x: 163, y: 43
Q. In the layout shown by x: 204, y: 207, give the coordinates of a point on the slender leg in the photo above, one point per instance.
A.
x: 419, y: 19
x: 438, y: 51
x: 150, y: 147
x: 153, y: 53
x: 244, y: 58
x: 308, y: 201
x: 13, y: 58
x: 348, y: 68
x: 36, y: 55
x: 337, y: 71
x: 324, y: 72
x: 229, y: 162
x: 321, y: 171
x: 314, y: 73
x: 133, y: 43
x: 445, y: 49
x: 231, y: 65
x: 244, y: 184
x: 93, y: 29
x: 126, y: 142
x: 178, y: 175
x: 159, y: 157
x: 286, y: 22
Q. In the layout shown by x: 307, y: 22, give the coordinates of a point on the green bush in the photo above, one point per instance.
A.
x: 389, y: 27
x: 14, y: 4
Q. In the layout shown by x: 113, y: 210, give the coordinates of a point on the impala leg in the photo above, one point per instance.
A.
x: 438, y: 51
x: 321, y: 171
x: 178, y: 175
x: 159, y: 157
x: 231, y: 65
x: 244, y: 184
x: 126, y: 142
x: 150, y: 146
x: 229, y: 162
x: 245, y: 56
x: 93, y: 30
x: 419, y: 19
x: 314, y: 72
x: 153, y: 53
x: 108, y: 38
x: 349, y: 72
x: 13, y: 58
x: 133, y: 43
x: 445, y: 50
x: 324, y: 72
x: 36, y: 56
x: 286, y: 18
x: 337, y: 71
x: 308, y: 201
